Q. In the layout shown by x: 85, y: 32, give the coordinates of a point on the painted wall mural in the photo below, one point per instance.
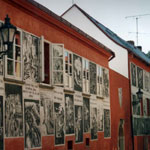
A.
x: 106, y: 123
x: 78, y: 101
x: 141, y: 126
x: 105, y: 82
x: 1, y: 124
x: 77, y: 73
x: 136, y: 108
x: 30, y: 56
x: 78, y: 124
x: 86, y: 114
x: 140, y: 77
x: 59, y: 123
x: 93, y: 117
x: 100, y: 116
x: 46, y: 112
x: 59, y: 114
x: 32, y: 123
x: 69, y: 113
x: 92, y: 78
x: 13, y: 111
x: 133, y: 74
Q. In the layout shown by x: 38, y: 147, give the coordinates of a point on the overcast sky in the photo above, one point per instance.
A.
x: 112, y: 13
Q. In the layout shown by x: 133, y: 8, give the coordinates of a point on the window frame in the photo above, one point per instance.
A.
x: 71, y: 78
x: 86, y: 79
x: 63, y: 70
x: 14, y: 76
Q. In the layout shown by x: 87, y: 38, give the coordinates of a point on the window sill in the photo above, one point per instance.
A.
x: 69, y: 90
x: 44, y: 85
x: 13, y: 80
x: 100, y: 97
x: 86, y: 94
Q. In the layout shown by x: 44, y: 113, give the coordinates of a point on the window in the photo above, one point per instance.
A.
x: 145, y: 108
x: 146, y: 81
x: 105, y: 82
x: 47, y: 62
x: 85, y: 76
x: 99, y: 81
x: 70, y: 145
x: 58, y: 64
x: 140, y: 77
x: 1, y: 61
x: 14, y: 57
x: 68, y: 70
x: 133, y: 74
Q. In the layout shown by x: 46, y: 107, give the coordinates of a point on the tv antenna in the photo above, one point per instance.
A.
x: 137, y: 17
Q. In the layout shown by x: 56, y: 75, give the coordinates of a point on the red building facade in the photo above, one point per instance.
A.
x: 55, y: 87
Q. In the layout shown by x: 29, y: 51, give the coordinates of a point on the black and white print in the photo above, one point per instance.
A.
x: 77, y: 73
x: 140, y: 77
x: 69, y: 111
x: 13, y: 111
x: 92, y: 78
x: 105, y: 82
x: 133, y: 74
x: 136, y: 107
x: 100, y: 116
x: 32, y: 123
x: 86, y: 114
x: 78, y: 124
x: 106, y: 123
x: 57, y: 64
x: 46, y: 113
x: 146, y: 81
x: 59, y: 123
x: 1, y: 124
x: 30, y: 56
x: 93, y: 123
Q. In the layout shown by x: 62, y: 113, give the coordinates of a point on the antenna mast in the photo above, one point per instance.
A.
x: 137, y: 18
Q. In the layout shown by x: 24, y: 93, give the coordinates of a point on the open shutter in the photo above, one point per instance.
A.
x: 58, y: 64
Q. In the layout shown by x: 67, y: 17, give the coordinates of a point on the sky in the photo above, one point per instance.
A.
x: 114, y: 14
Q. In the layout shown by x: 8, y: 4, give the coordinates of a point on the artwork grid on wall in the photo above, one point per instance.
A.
x: 13, y: 111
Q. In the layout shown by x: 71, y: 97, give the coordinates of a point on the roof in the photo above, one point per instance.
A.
x: 59, y: 18
x: 114, y: 37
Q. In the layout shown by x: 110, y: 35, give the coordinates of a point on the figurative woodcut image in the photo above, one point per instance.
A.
x: 146, y: 81
x: 69, y: 110
x: 46, y: 113
x: 1, y: 124
x: 100, y: 117
x: 30, y: 56
x: 13, y: 111
x: 86, y: 114
x: 58, y: 64
x: 32, y: 123
x: 78, y: 124
x: 106, y: 82
x: 136, y: 108
x: 140, y: 77
x: 106, y: 123
x: 92, y: 78
x: 77, y: 73
x: 59, y: 124
x: 93, y: 123
x: 133, y: 74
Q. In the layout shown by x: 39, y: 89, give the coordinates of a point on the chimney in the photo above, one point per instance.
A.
x: 139, y: 47
x: 131, y: 42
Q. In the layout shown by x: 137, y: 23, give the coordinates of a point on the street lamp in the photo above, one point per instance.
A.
x: 139, y: 94
x: 7, y: 32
